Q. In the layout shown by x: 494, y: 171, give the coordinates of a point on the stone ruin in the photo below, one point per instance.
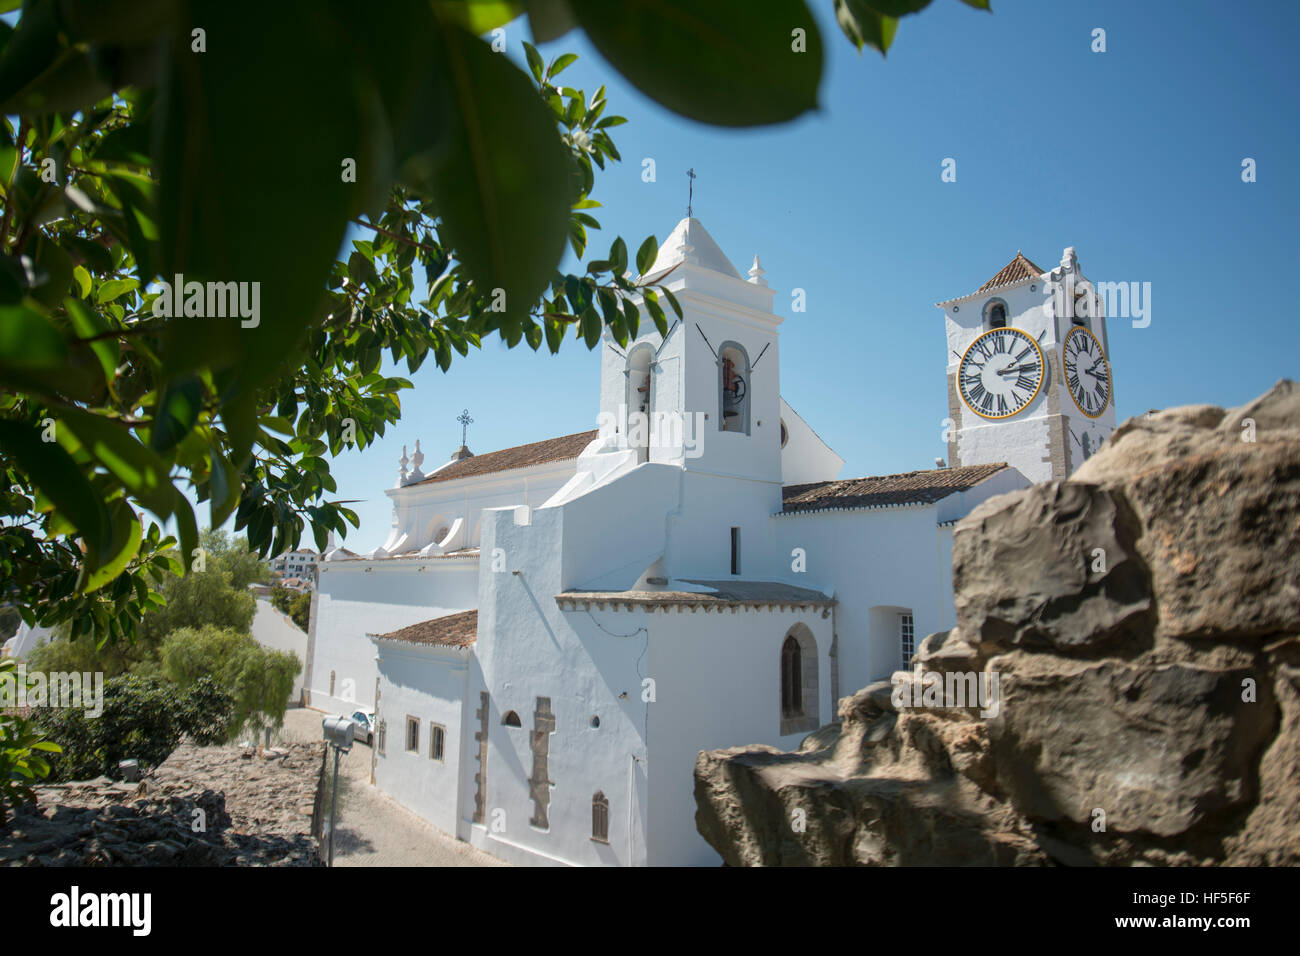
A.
x: 1142, y: 621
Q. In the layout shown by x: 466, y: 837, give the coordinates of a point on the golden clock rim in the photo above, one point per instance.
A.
x: 1042, y: 374
x: 1110, y: 381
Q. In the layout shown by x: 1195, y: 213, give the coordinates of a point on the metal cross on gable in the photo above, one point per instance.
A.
x: 465, y: 422
x: 690, y: 194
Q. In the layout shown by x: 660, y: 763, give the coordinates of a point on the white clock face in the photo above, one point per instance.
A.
x: 1087, y: 373
x: 1000, y: 373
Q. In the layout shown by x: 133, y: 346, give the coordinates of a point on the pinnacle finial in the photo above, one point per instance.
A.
x: 756, y: 272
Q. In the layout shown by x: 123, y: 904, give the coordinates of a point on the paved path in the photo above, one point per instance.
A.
x: 374, y: 829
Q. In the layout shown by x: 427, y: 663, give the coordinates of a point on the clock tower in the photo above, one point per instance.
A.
x: 1029, y: 377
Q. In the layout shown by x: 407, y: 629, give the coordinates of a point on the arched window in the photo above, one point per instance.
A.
x: 799, y: 695
x: 640, y: 398
x: 791, y: 679
x: 997, y: 315
x: 510, y: 719
x: 733, y: 388
x: 600, y: 818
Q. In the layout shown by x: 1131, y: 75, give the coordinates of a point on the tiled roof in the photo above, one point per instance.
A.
x: 521, y: 456
x: 914, y: 487
x: 452, y: 630
x: 1017, y: 270
x: 724, y: 594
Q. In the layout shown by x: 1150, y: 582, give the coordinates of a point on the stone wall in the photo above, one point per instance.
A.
x: 203, y: 806
x: 1141, y: 625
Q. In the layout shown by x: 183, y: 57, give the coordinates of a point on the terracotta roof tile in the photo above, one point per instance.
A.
x: 1017, y: 270
x: 452, y: 630
x: 521, y: 456
x: 913, y: 487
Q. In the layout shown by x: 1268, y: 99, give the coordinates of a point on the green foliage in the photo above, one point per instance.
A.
x: 259, y: 679
x: 138, y: 143
x: 24, y: 755
x: 144, y: 718
x: 296, y: 604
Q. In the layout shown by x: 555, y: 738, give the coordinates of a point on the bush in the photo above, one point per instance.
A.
x: 24, y: 755
x: 259, y: 679
x: 143, y: 717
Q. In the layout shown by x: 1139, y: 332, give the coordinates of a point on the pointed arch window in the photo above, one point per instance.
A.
x: 511, y: 719
x: 799, y: 681
x: 733, y: 388
x: 600, y: 818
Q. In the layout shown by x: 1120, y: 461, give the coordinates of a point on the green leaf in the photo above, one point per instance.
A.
x: 535, y: 64
x: 590, y: 327
x: 115, y: 288
x: 560, y: 64
x: 87, y: 323
x: 864, y: 25
x: 112, y: 445
x: 28, y: 341
x: 720, y: 62
x: 54, y: 472
x: 104, y: 564
x: 82, y: 278
x: 646, y: 255
x: 656, y: 312
x: 177, y: 413
x: 503, y: 186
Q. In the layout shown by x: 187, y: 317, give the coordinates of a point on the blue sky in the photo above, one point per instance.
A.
x: 1133, y: 156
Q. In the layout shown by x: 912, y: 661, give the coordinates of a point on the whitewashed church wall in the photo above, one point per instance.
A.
x: 717, y: 684
x: 891, y: 557
x: 354, y: 602
x: 536, y: 650
x: 700, y: 534
x: 429, y: 684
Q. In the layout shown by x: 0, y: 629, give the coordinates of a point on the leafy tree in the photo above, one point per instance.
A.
x: 260, y: 679
x: 233, y: 145
x: 144, y: 718
x: 296, y: 604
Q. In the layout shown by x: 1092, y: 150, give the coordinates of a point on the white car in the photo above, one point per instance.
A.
x: 363, y: 726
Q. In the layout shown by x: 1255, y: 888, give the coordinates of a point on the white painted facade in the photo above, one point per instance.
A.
x: 648, y: 595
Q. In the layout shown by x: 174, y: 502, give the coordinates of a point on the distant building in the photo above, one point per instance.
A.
x: 297, y: 567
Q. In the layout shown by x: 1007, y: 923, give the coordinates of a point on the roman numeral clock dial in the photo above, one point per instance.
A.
x: 1000, y: 373
x: 1087, y: 373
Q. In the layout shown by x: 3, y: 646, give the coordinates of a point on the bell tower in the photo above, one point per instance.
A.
x: 711, y: 386
x: 1029, y: 377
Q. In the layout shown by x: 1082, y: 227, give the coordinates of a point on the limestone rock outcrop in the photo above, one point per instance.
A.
x: 1137, y: 630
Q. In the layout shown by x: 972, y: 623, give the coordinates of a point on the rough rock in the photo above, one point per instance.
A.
x: 203, y: 806
x: 1142, y: 621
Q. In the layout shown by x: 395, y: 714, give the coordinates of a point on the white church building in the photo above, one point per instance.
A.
x: 551, y: 633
